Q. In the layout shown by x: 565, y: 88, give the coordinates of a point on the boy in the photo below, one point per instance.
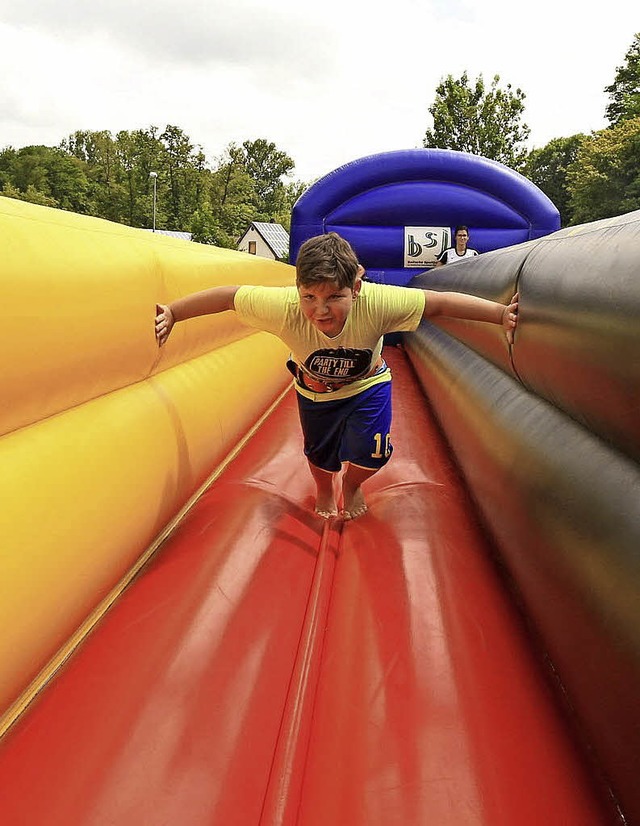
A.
x: 334, y: 323
x: 460, y: 248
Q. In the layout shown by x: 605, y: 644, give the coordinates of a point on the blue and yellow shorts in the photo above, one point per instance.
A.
x: 355, y: 430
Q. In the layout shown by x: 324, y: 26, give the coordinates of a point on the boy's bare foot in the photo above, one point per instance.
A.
x: 354, y: 505
x: 326, y: 506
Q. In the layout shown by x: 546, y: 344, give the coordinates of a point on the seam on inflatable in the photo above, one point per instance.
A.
x: 286, y: 776
x: 146, y: 378
x: 512, y: 346
x: 46, y: 675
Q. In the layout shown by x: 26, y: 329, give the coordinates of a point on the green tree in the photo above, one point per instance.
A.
x: 247, y: 185
x: 604, y: 179
x: 288, y: 195
x: 266, y: 165
x: 547, y: 168
x: 205, y: 229
x: 7, y: 161
x: 624, y: 92
x: 32, y: 195
x: 45, y: 174
x: 119, y: 170
x: 469, y: 118
x: 95, y: 173
x: 138, y: 154
x: 108, y: 197
x: 182, y: 166
x: 232, y: 195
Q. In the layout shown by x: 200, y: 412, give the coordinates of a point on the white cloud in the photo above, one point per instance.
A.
x: 167, y: 33
x: 328, y: 84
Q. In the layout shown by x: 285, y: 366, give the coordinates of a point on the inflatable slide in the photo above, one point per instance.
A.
x: 185, y: 642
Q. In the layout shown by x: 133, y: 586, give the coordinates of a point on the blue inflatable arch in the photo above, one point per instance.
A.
x: 370, y: 201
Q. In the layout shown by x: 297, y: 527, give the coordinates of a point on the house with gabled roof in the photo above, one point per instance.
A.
x: 267, y: 240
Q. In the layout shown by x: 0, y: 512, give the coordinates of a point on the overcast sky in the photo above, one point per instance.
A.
x: 327, y: 83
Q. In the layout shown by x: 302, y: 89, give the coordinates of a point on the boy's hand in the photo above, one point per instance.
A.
x: 510, y: 318
x: 164, y: 323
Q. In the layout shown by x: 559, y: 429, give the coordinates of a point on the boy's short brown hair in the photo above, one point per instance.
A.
x: 327, y: 258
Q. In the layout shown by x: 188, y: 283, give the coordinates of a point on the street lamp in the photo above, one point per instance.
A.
x: 154, y: 175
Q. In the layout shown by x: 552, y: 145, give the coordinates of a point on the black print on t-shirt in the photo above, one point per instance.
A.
x: 342, y: 363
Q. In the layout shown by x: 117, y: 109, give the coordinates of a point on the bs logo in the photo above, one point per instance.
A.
x: 414, y: 249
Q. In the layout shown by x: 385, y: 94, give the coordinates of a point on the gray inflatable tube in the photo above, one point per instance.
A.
x: 547, y: 435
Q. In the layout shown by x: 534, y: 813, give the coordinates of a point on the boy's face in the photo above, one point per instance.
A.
x: 327, y: 306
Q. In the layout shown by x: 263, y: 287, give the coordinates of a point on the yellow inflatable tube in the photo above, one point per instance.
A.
x: 104, y: 438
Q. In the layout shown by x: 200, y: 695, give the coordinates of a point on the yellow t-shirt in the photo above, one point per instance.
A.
x: 379, y: 309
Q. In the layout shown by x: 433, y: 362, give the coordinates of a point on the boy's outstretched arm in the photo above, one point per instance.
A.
x: 207, y: 302
x: 473, y: 308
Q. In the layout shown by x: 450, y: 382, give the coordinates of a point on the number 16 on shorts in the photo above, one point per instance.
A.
x: 382, y: 446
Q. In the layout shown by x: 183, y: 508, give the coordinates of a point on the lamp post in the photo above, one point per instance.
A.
x: 154, y: 175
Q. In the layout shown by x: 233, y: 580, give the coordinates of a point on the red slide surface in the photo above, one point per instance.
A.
x: 270, y: 668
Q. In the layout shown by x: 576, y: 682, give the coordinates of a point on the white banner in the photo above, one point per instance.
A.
x: 422, y: 245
